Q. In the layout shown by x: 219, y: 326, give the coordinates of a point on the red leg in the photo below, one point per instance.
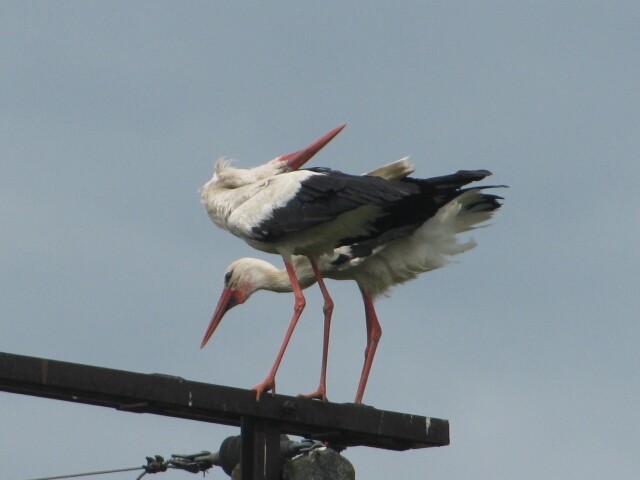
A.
x: 269, y: 382
x: 321, y: 392
x: 374, y: 332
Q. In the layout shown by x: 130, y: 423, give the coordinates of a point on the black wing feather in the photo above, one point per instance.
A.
x: 322, y: 198
x: 404, y: 205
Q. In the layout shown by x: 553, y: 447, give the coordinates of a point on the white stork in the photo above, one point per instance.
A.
x: 342, y: 223
x: 395, y: 170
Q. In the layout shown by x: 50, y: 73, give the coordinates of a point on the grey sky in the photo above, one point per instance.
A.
x: 113, y: 113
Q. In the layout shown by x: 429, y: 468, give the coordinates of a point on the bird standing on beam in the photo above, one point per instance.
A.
x: 318, y: 212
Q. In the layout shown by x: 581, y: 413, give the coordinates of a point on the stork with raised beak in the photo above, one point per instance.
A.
x: 322, y: 214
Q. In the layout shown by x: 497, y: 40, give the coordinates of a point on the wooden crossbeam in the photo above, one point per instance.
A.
x: 343, y: 424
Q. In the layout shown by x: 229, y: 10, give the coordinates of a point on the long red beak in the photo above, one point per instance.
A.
x: 295, y: 160
x: 228, y: 300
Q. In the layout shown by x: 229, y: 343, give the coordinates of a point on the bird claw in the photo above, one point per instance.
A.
x: 268, y: 385
x: 319, y: 394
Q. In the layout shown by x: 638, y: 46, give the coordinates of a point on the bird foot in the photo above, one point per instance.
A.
x: 319, y: 394
x: 269, y: 384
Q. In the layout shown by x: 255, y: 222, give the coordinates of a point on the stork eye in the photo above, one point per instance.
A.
x: 227, y: 277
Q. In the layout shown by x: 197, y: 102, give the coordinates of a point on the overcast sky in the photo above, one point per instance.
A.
x: 113, y: 114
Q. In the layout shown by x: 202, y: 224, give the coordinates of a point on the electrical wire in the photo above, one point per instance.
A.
x: 202, y: 461
x: 86, y: 474
x: 199, y: 462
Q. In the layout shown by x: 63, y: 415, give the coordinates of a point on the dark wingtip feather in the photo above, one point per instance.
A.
x: 475, y: 174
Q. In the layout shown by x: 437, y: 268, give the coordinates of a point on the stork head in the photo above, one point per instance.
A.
x: 227, y: 177
x: 295, y: 160
x: 242, y: 278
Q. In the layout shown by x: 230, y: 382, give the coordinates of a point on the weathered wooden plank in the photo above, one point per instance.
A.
x: 341, y: 424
